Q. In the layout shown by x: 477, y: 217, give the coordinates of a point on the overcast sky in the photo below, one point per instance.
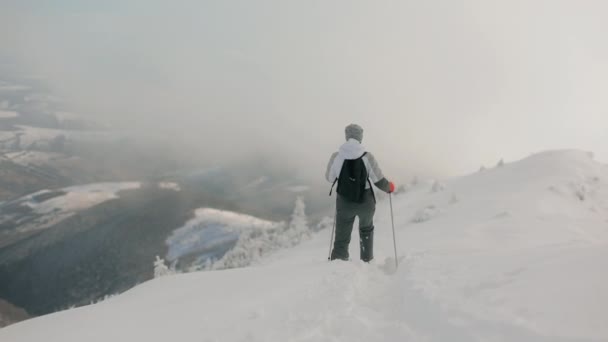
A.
x: 440, y: 87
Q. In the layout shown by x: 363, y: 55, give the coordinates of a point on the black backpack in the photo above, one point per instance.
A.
x: 352, y: 180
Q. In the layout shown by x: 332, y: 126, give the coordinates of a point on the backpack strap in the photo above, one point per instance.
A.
x: 332, y: 187
x: 371, y: 188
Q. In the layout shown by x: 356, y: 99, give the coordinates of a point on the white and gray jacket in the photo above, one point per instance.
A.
x: 352, y: 149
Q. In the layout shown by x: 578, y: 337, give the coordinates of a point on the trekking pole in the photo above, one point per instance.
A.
x: 390, y: 198
x: 331, y: 240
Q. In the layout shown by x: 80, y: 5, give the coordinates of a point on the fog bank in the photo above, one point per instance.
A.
x: 440, y: 87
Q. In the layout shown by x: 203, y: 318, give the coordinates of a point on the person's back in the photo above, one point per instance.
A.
x: 350, y: 202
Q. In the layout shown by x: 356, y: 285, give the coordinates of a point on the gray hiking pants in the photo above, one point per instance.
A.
x: 346, y: 212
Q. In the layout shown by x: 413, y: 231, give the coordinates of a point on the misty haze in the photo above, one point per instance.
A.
x: 165, y: 170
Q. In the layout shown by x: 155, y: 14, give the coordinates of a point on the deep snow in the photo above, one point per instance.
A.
x: 514, y: 253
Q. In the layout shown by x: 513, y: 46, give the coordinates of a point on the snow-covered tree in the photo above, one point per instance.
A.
x: 501, y: 163
x: 437, y: 186
x: 325, y: 223
x: 298, y: 227
x: 255, y: 243
x: 160, y: 268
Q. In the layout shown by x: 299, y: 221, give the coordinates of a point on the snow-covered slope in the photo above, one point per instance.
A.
x: 516, y: 253
x: 7, y: 114
x: 45, y: 208
x: 210, y: 230
x: 220, y: 239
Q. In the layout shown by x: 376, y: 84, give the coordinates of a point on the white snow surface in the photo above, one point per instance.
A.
x: 79, y: 197
x: 74, y: 199
x: 169, y: 186
x: 63, y: 115
x: 210, y: 229
x: 30, y: 135
x: 7, y: 114
x: 520, y: 256
x: 36, y: 158
x: 298, y: 188
x: 5, y: 87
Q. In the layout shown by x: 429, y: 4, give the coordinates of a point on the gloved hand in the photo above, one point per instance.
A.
x: 391, y: 187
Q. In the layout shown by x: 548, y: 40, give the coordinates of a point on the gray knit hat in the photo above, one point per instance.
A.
x: 354, y: 131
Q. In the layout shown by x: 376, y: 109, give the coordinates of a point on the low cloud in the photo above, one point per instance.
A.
x: 440, y: 87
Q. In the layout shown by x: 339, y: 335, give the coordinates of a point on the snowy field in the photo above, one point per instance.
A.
x: 30, y: 135
x: 67, y: 202
x: 7, y: 114
x: 36, y: 158
x: 514, y: 253
x: 77, y: 198
x: 7, y: 87
x: 169, y: 186
x: 35, y: 138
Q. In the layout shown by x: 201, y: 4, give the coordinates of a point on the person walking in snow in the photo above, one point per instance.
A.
x: 355, y: 169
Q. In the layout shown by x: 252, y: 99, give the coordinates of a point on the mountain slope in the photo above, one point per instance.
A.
x: 516, y: 253
x: 10, y: 314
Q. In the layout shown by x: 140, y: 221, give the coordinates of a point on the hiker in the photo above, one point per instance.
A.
x: 354, y: 170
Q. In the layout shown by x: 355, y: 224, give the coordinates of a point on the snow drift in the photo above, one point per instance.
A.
x: 515, y: 253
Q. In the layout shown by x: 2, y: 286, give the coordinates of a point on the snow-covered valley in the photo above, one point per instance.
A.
x: 513, y: 253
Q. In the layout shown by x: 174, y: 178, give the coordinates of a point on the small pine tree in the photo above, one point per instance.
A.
x: 252, y: 245
x: 501, y: 163
x: 160, y: 268
x: 325, y: 223
x: 437, y: 187
x: 298, y: 227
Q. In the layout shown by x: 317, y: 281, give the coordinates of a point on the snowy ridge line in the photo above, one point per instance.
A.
x: 236, y: 219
